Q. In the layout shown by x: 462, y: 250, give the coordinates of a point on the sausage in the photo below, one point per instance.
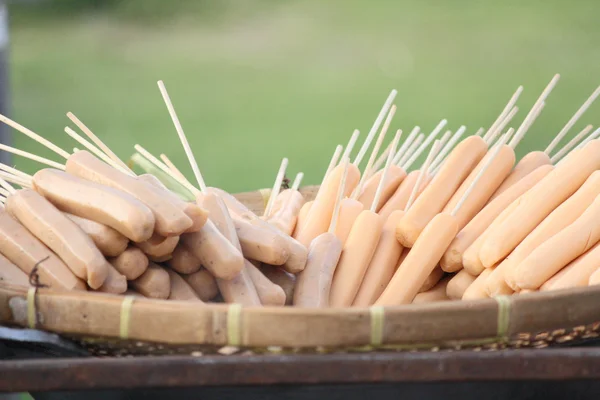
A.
x: 313, y: 284
x: 471, y: 261
x: 114, y: 283
x: 10, y: 273
x: 459, y: 165
x: 420, y: 261
x: 350, y: 209
x: 539, y: 201
x: 436, y: 293
x: 258, y: 243
x: 476, y: 290
x: 95, y: 202
x: 495, y: 285
x: 302, y: 214
x: 498, y: 170
x: 214, y: 250
x: 595, y: 278
x: 355, y: 259
x: 158, y: 246
x: 180, y: 289
x: 203, y: 283
x: 154, y: 283
x: 60, y: 234
x: 434, y: 277
x: 524, y: 167
x: 577, y: 273
x: 394, y: 178
x: 24, y: 250
x: 286, y: 208
x: 131, y: 263
x: 281, y: 278
x: 170, y: 219
x: 319, y: 217
x: 197, y: 214
x: 240, y: 288
x: 561, y: 217
x: 110, y: 242
x: 452, y: 260
x: 161, y: 259
x: 402, y: 194
x: 559, y: 250
x: 184, y: 261
x: 458, y: 284
x: 383, y: 264
x: 270, y: 294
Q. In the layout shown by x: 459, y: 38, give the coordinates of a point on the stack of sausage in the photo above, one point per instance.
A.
x: 470, y: 223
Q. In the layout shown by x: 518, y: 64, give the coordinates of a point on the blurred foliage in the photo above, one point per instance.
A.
x: 254, y: 81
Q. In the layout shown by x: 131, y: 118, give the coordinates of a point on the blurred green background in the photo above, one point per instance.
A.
x: 254, y: 81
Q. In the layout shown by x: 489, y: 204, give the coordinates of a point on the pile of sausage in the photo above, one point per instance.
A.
x: 470, y: 223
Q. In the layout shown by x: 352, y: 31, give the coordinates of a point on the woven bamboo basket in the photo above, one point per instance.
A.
x: 123, y: 325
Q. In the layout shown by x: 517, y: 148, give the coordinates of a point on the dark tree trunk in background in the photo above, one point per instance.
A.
x: 5, y: 134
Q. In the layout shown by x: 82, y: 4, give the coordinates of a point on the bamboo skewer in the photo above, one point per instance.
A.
x: 276, y: 188
x: 96, y: 151
x: 422, y: 174
x: 32, y: 157
x: 405, y: 146
x: 566, y: 148
x: 388, y: 163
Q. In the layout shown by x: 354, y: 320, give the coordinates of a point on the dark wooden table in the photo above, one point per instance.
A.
x: 511, y: 374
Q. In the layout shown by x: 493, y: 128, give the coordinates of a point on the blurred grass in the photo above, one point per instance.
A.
x: 255, y: 81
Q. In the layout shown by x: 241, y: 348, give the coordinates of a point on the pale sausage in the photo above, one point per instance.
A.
x: 281, y: 278
x: 180, y: 289
x: 595, y: 278
x: 25, y: 251
x: 436, y: 293
x: 453, y: 258
x: 170, y: 219
x: 261, y: 244
x: 350, y: 209
x: 539, y: 201
x: 60, y: 234
x: 285, y: 212
x: 158, y: 247
x: 476, y: 290
x: 10, y: 273
x: 95, y: 202
x: 394, y: 178
x: 524, y: 167
x: 460, y: 164
x: 184, y: 261
x: 356, y: 257
x: 401, y: 195
x: 153, y: 283
x: 434, y: 277
x: 270, y: 294
x: 131, y: 263
x: 110, y: 242
x: 114, y: 283
x: 313, y: 284
x: 420, y: 261
x: 383, y: 264
x: 578, y: 272
x: 203, y: 283
x: 458, y: 284
x: 302, y: 214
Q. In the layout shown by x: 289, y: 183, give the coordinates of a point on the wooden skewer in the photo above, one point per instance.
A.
x: 425, y: 144
x: 172, y: 166
x: 479, y: 132
x: 96, y: 151
x: 382, y: 158
x: 404, y: 148
x: 388, y: 163
x: 413, y: 147
x: 13, y: 179
x: 33, y: 157
x: 297, y: 181
x: 351, y: 143
x: 367, y: 172
x: 182, y: 137
x: 593, y: 135
x: 375, y: 127
x: 184, y: 182
x: 340, y: 194
x: 502, y: 125
x: 572, y: 121
x: 446, y: 149
x: 4, y: 192
x: 15, y: 172
x: 471, y: 187
x: 334, y: 159
x: 434, y: 149
x: 88, y: 132
x: 504, y: 113
x: 75, y: 150
x: 31, y: 134
x: 566, y: 148
x: 276, y: 187
x: 533, y: 113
